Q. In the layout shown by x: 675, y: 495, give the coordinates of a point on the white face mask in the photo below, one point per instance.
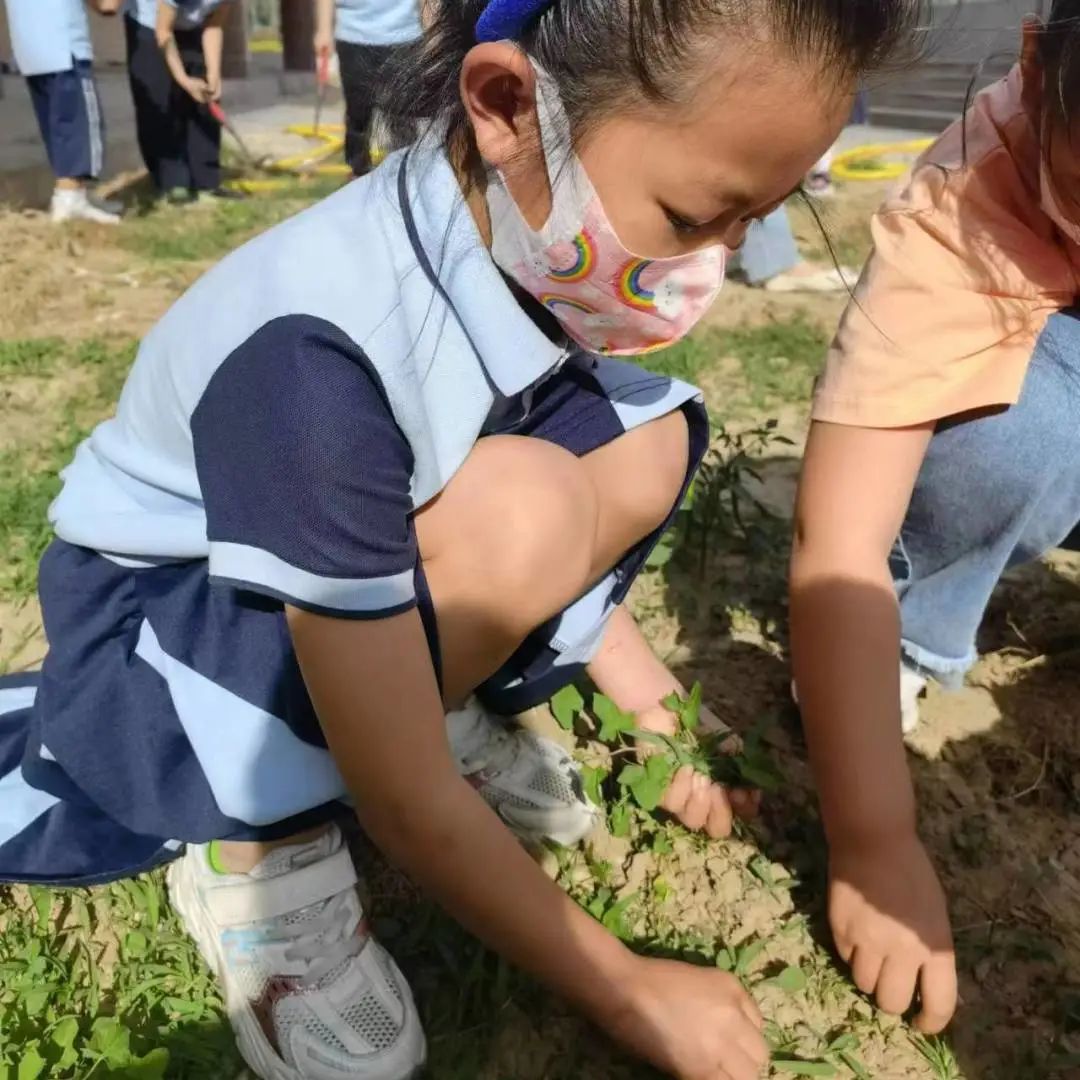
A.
x: 1052, y: 207
x: 607, y: 298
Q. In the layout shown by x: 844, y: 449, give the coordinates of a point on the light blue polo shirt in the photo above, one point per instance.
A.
x: 190, y: 14
x: 289, y: 414
x: 377, y: 22
x: 48, y: 35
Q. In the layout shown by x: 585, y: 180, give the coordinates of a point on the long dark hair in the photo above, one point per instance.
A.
x: 605, y: 54
x: 1059, y: 54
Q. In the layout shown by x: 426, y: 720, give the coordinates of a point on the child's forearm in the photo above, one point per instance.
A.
x: 324, y: 20
x: 213, y: 44
x: 375, y: 692
x: 163, y: 32
x: 627, y: 670
x: 845, y: 644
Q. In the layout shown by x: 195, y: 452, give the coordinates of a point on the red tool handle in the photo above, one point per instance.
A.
x: 217, y: 112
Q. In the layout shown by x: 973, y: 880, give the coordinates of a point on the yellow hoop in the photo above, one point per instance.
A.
x: 845, y: 165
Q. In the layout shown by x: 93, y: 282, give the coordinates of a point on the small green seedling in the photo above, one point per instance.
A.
x: 792, y: 980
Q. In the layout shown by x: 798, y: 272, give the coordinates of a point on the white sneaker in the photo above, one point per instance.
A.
x: 73, y: 204
x: 533, y: 784
x: 912, y: 684
x: 310, y: 994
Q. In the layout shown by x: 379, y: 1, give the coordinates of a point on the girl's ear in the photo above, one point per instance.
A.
x: 498, y: 88
x: 1031, y: 71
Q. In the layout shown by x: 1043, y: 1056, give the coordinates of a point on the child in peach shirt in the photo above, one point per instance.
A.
x: 945, y: 447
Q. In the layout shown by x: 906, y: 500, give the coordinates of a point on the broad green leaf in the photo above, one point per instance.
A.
x: 599, y: 903
x: 758, y: 775
x: 614, y: 918
x: 151, y: 1066
x: 31, y: 1063
x: 613, y: 721
x: 791, y: 980
x: 631, y: 774
x: 566, y: 705
x: 748, y: 953
x: 649, y: 783
x: 64, y: 1032
x: 661, y: 843
x: 803, y: 1068
x: 725, y: 960
x: 110, y: 1039
x: 690, y: 714
x: 135, y: 944
x: 34, y: 1001
x: 592, y: 779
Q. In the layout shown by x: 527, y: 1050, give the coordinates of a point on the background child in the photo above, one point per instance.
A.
x: 948, y: 416
x: 366, y: 34
x: 51, y: 42
x: 378, y: 479
x: 174, y: 65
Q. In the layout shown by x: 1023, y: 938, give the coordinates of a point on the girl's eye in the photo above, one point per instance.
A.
x: 679, y: 223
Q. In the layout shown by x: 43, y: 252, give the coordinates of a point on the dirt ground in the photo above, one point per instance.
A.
x: 997, y: 764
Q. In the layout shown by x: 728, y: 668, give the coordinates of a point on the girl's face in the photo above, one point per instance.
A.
x: 672, y: 178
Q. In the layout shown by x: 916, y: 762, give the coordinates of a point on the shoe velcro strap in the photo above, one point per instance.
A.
x: 255, y: 899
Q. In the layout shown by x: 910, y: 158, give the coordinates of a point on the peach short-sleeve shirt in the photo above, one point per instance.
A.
x: 966, y: 269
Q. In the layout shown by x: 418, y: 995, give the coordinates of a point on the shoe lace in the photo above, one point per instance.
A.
x: 326, y: 936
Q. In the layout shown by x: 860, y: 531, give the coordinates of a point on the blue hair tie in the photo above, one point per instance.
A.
x: 504, y: 20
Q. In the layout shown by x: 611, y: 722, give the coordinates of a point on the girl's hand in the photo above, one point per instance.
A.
x: 694, y: 1023
x: 198, y: 89
x: 888, y: 916
x: 213, y: 88
x: 693, y: 798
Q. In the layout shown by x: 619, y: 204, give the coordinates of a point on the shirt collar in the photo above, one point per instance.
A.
x: 512, y: 349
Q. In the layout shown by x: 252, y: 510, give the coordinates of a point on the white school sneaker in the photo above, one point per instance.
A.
x: 73, y: 204
x: 533, y: 784
x: 311, y: 995
x: 912, y: 685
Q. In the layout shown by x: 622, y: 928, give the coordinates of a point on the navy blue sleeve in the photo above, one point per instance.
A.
x: 305, y: 474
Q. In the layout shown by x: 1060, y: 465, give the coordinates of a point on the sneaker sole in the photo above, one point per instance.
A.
x: 250, y: 1039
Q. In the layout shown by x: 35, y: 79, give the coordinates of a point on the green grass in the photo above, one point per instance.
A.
x: 31, y: 356
x: 104, y: 983
x: 777, y: 363
x: 199, y: 234
x: 29, y: 475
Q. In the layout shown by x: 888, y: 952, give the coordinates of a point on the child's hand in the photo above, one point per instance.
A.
x: 693, y: 1023
x: 888, y: 916
x: 693, y: 798
x: 198, y: 89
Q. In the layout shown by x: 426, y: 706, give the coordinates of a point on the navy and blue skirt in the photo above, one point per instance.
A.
x: 172, y: 710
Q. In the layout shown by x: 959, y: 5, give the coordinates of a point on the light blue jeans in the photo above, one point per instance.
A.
x: 769, y: 248
x: 993, y: 492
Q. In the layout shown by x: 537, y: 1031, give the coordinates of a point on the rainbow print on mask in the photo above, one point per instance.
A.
x: 630, y: 287
x: 552, y: 301
x: 584, y: 262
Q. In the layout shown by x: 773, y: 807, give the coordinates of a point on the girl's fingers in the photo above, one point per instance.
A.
x: 896, y: 984
x: 752, y: 1012
x: 678, y: 791
x: 719, y: 822
x: 866, y: 969
x: 938, y: 992
x: 695, y: 813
